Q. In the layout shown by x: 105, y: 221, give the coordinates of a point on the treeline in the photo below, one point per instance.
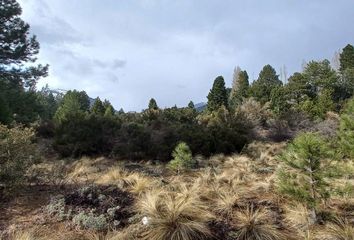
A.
x: 266, y: 108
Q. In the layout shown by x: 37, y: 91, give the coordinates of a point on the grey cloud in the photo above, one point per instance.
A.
x: 176, y: 49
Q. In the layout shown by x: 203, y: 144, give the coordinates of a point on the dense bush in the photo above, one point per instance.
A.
x: 17, y: 153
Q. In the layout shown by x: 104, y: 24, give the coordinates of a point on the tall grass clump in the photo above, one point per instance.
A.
x: 174, y: 216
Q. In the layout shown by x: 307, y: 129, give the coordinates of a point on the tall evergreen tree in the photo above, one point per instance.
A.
x: 17, y: 48
x: 319, y: 75
x: 98, y: 108
x: 191, y: 105
x: 240, y: 87
x: 217, y: 96
x: 268, y: 79
x: 18, y: 74
x: 73, y: 103
x: 153, y: 104
x: 346, y: 58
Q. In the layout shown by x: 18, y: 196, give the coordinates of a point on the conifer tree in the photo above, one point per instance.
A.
x: 306, y: 171
x: 109, y: 112
x: 153, y: 104
x: 217, y: 96
x: 182, y: 157
x: 346, y: 131
x: 17, y: 48
x: 191, y: 105
x: 268, y: 79
x: 346, y: 58
x: 98, y: 108
x: 73, y: 103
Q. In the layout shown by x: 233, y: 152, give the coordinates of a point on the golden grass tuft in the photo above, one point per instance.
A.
x: 255, y: 224
x: 174, y: 215
x: 339, y: 229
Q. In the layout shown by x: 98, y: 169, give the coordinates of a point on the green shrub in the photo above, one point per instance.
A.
x: 306, y: 170
x: 346, y: 131
x: 182, y: 157
x: 17, y: 153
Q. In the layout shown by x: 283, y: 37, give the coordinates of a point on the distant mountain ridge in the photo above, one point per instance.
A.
x: 200, y: 106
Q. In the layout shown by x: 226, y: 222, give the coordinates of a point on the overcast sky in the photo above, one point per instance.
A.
x: 131, y: 50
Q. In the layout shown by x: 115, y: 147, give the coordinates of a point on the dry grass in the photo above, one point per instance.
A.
x: 174, y: 215
x: 138, y: 183
x: 255, y: 224
x: 113, y: 176
x: 339, y: 229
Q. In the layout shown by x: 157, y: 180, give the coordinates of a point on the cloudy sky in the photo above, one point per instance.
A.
x: 172, y: 50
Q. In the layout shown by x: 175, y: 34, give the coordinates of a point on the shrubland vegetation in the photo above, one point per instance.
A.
x: 265, y: 159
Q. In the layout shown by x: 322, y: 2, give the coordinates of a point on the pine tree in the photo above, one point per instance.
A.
x: 73, y: 103
x: 319, y: 75
x: 98, y: 108
x: 153, y: 104
x: 346, y: 131
x: 109, y: 112
x: 346, y: 58
x: 306, y: 171
x: 17, y: 48
x: 182, y: 157
x: 217, y: 96
x: 191, y: 105
x: 268, y: 79
x: 240, y: 87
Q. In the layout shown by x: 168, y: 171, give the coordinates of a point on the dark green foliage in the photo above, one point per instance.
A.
x: 268, y: 79
x: 73, y: 103
x: 17, y: 48
x: 346, y: 131
x: 307, y: 167
x: 85, y: 134
x: 240, y: 86
x: 191, y: 104
x: 319, y: 76
x: 98, y: 108
x: 346, y: 58
x: 153, y: 104
x: 298, y: 89
x: 217, y: 96
x: 279, y: 101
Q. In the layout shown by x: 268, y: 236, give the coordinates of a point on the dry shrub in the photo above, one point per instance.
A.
x: 255, y: 224
x: 174, y: 215
x: 17, y: 153
x: 253, y: 113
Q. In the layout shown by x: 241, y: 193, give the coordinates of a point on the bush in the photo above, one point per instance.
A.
x: 17, y: 153
x: 182, y: 157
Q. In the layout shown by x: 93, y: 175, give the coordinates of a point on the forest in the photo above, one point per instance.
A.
x: 263, y: 159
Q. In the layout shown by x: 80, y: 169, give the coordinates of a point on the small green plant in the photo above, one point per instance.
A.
x: 306, y: 170
x: 90, y: 221
x: 182, y: 157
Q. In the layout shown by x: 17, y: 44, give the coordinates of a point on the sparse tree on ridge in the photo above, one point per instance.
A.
x: 217, y: 96
x: 153, y: 104
x: 268, y: 79
x: 98, y: 108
